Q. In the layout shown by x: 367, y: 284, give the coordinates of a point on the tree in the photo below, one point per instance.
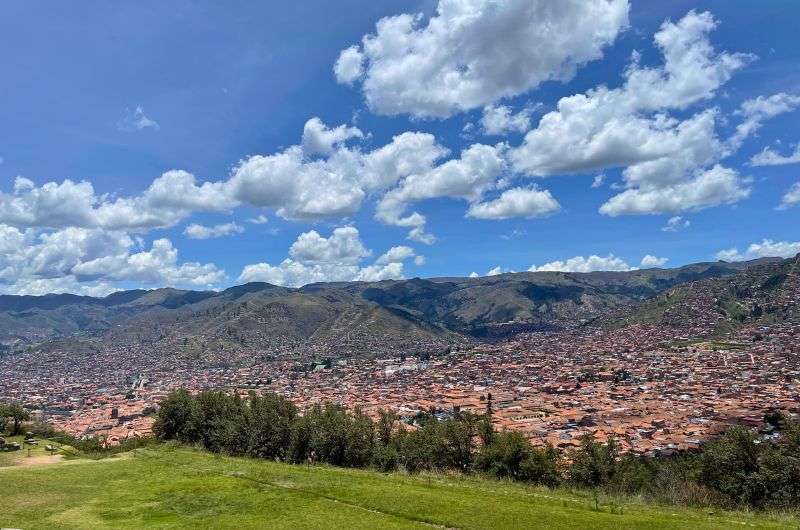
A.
x: 594, y: 464
x: 18, y: 414
x: 179, y: 418
x: 510, y: 455
x: 269, y: 426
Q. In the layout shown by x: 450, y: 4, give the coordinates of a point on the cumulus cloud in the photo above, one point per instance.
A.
x: 718, y: 185
x: 471, y: 54
x: 791, y: 198
x: 328, y: 175
x: 516, y: 202
x: 598, y: 180
x: 500, y: 119
x: 766, y: 248
x: 169, y: 199
x: 768, y: 157
x: 675, y: 224
x: 630, y: 127
x: 477, y: 170
x: 319, y: 139
x: 91, y: 261
x: 335, y: 185
x: 314, y: 258
x: 198, y: 231
x: 584, y: 264
x: 295, y: 182
x: 349, y: 66
x: 650, y: 261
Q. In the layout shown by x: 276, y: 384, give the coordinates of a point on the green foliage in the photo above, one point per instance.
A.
x: 594, y: 464
x: 510, y: 455
x: 179, y: 418
x: 751, y: 473
x: 15, y: 414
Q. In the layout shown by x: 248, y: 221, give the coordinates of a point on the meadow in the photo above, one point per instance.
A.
x: 169, y: 486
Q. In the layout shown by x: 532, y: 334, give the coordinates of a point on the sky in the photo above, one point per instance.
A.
x: 201, y: 145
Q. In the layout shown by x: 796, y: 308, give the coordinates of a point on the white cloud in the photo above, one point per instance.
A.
x: 344, y: 246
x: 396, y: 254
x: 473, y: 53
x: 716, y: 186
x: 495, y: 271
x: 91, y: 261
x: 516, y: 202
x: 629, y: 127
x: 334, y: 185
x: 598, y: 180
x: 583, y: 264
x: 137, y: 120
x: 314, y: 258
x: 766, y: 248
x: 260, y: 219
x: 768, y: 157
x: 467, y: 178
x: 791, y: 198
x: 198, y: 231
x: 169, y: 199
x: 349, y: 66
x: 756, y: 110
x: 318, y: 139
x: 322, y: 178
x: 500, y: 119
x: 474, y: 274
x: 675, y: 224
x: 650, y: 261
x: 157, y: 266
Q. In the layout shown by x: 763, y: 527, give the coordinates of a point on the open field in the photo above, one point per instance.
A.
x: 181, y: 488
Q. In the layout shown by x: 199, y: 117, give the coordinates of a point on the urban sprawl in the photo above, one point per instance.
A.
x: 653, y: 389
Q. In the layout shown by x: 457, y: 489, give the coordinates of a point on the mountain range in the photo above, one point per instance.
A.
x: 360, y: 318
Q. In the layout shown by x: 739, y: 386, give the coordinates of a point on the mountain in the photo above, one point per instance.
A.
x: 764, y: 293
x: 345, y: 318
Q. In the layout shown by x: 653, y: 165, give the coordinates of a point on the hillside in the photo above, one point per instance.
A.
x: 339, y: 318
x: 764, y: 294
x: 180, y: 488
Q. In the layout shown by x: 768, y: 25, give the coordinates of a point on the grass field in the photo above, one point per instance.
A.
x: 170, y: 487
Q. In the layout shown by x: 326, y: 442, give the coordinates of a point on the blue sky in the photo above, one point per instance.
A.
x: 114, y: 96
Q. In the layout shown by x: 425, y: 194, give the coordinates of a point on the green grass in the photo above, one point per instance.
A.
x: 29, y: 452
x: 170, y: 487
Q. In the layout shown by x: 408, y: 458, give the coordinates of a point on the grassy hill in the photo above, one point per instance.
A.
x: 170, y: 487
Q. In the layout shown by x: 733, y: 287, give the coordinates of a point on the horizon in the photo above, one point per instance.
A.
x: 297, y: 145
x: 428, y: 278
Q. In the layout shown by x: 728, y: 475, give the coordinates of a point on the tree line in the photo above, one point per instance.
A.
x: 738, y: 468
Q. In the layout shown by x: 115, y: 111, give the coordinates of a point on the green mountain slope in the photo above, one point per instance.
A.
x: 355, y: 318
